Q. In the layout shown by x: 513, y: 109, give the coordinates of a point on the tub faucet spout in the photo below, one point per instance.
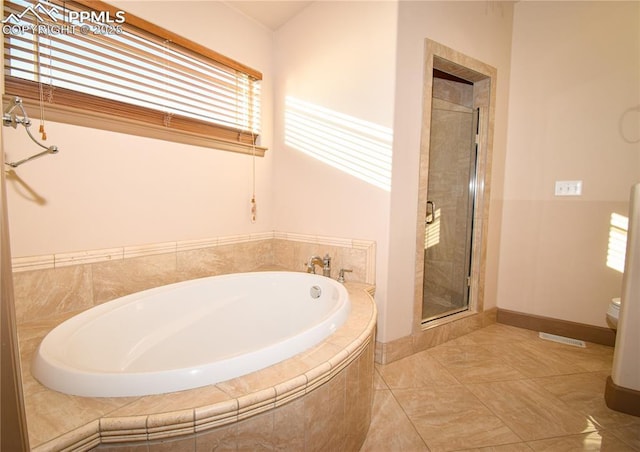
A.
x: 324, y: 261
x: 311, y: 264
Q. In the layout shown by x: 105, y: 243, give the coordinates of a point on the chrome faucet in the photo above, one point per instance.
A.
x: 324, y: 261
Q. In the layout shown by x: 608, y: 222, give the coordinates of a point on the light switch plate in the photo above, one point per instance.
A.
x: 568, y: 188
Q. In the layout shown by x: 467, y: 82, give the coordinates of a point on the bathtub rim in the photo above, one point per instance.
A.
x: 56, y: 373
x: 125, y: 425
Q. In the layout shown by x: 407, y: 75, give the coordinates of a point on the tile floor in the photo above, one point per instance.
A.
x: 499, y: 389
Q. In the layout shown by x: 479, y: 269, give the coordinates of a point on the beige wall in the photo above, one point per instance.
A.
x: 336, y: 57
x: 575, y: 70
x: 106, y: 189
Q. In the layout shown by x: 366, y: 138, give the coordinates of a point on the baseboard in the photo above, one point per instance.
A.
x: 589, y: 333
x: 622, y: 399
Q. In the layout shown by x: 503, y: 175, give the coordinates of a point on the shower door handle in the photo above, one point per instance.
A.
x: 431, y: 216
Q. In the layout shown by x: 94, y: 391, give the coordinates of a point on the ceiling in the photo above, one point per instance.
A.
x: 272, y: 14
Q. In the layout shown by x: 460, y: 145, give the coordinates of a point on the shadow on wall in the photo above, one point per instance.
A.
x: 359, y: 148
x: 24, y: 189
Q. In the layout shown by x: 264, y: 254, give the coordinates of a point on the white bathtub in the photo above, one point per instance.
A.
x: 190, y: 334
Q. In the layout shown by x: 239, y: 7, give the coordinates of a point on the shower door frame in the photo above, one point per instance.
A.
x: 483, y: 76
x: 455, y: 244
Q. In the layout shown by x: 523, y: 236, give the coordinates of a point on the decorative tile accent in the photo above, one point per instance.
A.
x: 261, y: 236
x: 119, y: 429
x: 346, y: 253
x: 149, y: 250
x: 172, y: 424
x: 30, y: 263
x: 211, y: 416
x: 87, y: 257
x: 290, y: 390
x: 256, y: 403
x: 233, y: 239
x: 317, y: 376
x: 187, y: 245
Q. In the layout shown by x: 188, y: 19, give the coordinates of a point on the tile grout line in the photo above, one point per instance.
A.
x: 403, y: 410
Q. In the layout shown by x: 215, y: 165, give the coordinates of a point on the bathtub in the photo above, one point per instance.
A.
x: 190, y: 334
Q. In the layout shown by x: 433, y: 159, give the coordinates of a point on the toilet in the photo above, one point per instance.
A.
x: 612, y: 313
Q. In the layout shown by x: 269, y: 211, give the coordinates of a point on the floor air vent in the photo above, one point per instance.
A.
x: 562, y: 339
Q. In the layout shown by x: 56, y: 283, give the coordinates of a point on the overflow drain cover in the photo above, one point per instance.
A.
x: 315, y: 292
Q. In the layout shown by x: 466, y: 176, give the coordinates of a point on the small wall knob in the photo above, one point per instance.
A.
x: 341, y: 274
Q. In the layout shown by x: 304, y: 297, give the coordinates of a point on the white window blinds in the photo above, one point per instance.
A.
x: 90, y: 57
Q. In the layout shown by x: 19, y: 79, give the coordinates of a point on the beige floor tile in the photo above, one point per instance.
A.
x: 585, y: 393
x: 495, y: 334
x: 593, y: 357
x: 416, y: 371
x: 517, y: 447
x: 452, y: 418
x: 378, y: 382
x: 390, y: 429
x: 594, y: 441
x: 629, y: 435
x: 515, y: 392
x: 474, y: 363
x: 530, y: 411
x: 535, y: 359
x: 452, y: 354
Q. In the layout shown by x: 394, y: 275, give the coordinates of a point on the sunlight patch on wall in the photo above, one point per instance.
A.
x: 432, y: 231
x: 354, y: 146
x: 617, y: 248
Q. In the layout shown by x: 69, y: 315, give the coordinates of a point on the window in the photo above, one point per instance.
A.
x: 92, y: 64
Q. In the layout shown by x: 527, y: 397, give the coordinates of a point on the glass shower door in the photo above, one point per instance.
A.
x: 450, y: 209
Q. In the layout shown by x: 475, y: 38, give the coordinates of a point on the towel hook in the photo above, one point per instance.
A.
x: 11, y: 119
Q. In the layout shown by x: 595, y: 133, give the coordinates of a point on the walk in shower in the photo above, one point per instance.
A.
x: 455, y: 158
x: 451, y: 195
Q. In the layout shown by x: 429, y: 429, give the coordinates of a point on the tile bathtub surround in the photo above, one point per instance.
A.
x: 499, y: 388
x: 315, y: 401
x: 63, y: 284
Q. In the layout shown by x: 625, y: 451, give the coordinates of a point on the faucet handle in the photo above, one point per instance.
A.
x: 341, y: 274
x: 310, y: 267
x: 326, y: 265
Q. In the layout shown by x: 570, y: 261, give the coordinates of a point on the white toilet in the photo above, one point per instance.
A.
x: 612, y: 313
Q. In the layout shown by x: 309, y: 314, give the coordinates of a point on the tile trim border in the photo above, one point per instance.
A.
x: 59, y: 260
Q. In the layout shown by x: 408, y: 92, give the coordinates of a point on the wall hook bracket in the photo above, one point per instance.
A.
x: 11, y: 119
